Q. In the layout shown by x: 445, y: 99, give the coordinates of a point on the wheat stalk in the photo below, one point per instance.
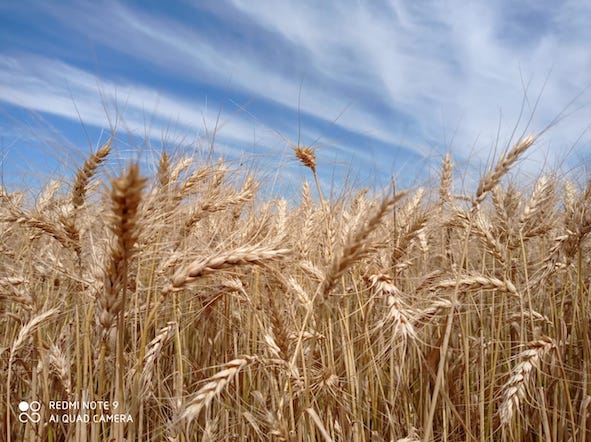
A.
x: 27, y: 330
x: 321, y: 428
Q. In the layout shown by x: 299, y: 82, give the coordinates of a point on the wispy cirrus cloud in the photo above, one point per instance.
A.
x: 446, y: 65
x: 72, y: 93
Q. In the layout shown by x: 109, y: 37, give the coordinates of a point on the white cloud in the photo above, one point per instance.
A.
x: 439, y: 64
x: 414, y: 74
x: 54, y: 87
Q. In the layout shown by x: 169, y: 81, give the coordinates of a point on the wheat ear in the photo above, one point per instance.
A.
x: 478, y: 282
x: 61, y: 367
x: 164, y: 174
x: 153, y: 351
x: 492, y: 178
x: 55, y: 231
x: 86, y: 172
x: 398, y: 318
x: 514, y: 389
x: 214, y: 386
x: 47, y: 199
x: 542, y: 194
x: 256, y: 254
x: 21, y: 338
x: 126, y: 195
x: 356, y: 246
x: 446, y: 179
x: 15, y: 289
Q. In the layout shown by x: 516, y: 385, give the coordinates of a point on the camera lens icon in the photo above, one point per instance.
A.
x: 29, y: 411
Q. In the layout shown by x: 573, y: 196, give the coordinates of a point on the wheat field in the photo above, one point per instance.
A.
x: 191, y: 308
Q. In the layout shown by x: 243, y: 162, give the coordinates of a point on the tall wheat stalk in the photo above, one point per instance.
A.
x: 126, y: 195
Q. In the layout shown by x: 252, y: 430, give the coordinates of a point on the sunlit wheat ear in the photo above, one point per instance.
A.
x: 538, y: 215
x: 492, y: 178
x: 25, y: 332
x: 126, y: 195
x: 570, y: 196
x: 46, y: 201
x: 477, y: 282
x: 61, y: 367
x: 214, y: 386
x: 86, y: 172
x: 256, y: 254
x: 179, y: 168
x: 541, y: 194
x: 577, y: 223
x: 515, y: 388
x: 306, y: 156
x: 356, y: 246
x: 15, y: 289
x: 40, y: 224
x: 446, y: 179
x: 153, y: 351
x: 164, y: 174
x: 397, y: 321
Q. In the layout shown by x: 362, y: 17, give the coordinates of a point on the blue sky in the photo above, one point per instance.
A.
x: 380, y: 88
